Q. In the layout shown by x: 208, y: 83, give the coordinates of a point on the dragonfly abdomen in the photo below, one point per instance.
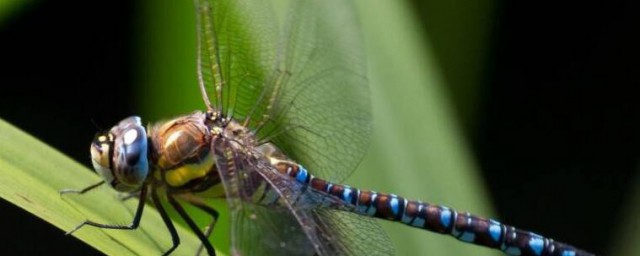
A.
x: 441, y: 219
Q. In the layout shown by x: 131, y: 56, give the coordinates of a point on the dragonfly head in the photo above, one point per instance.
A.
x: 120, y: 155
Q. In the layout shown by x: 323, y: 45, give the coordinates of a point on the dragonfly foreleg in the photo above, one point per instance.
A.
x: 134, y: 223
x: 80, y: 191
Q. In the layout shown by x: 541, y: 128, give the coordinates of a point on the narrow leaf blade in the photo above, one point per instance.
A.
x: 32, y: 175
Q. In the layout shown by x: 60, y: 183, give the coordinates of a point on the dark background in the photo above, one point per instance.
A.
x: 556, y: 126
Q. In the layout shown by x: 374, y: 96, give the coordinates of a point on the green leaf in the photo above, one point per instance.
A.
x: 418, y: 150
x: 32, y: 175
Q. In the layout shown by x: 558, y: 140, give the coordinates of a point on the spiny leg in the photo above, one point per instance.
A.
x: 207, y: 233
x: 197, y: 202
x: 167, y: 222
x: 80, y: 191
x: 133, y: 225
x: 192, y: 224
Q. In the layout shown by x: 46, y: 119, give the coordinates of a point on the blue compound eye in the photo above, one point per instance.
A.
x: 130, y: 164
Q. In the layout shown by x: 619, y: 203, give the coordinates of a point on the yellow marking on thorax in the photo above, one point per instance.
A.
x: 185, y: 173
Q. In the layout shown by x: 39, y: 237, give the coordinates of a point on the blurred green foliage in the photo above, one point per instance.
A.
x: 9, y: 7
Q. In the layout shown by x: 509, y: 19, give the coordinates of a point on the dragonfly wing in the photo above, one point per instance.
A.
x: 358, y: 235
x: 264, y: 229
x: 297, y: 79
x: 236, y: 52
x: 322, y: 117
x: 271, y: 213
x: 259, y: 230
x: 337, y: 230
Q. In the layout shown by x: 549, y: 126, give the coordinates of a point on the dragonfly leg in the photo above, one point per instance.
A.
x: 80, y: 191
x: 194, y: 227
x: 207, y: 233
x: 134, y: 223
x: 167, y: 222
x: 214, y: 217
x: 127, y: 196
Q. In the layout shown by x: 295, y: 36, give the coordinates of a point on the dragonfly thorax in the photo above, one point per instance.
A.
x: 181, y: 155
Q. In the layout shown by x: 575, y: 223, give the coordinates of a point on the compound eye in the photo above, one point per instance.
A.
x: 100, y: 155
x: 131, y: 165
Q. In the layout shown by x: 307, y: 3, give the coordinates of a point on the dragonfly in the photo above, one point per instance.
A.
x: 287, y: 117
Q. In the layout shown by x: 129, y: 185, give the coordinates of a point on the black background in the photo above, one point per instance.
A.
x: 59, y: 59
x: 557, y: 130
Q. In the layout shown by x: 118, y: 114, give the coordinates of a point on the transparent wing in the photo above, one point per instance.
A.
x: 324, y: 109
x: 358, y: 235
x: 301, y: 85
x: 235, y: 51
x: 260, y: 229
x: 272, y: 214
x: 266, y: 231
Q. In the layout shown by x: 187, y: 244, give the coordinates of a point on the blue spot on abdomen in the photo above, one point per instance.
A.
x: 445, y: 217
x: 536, y: 244
x: 395, y: 209
x: 346, y: 194
x: 467, y: 237
x: 495, y: 231
x: 302, y: 174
